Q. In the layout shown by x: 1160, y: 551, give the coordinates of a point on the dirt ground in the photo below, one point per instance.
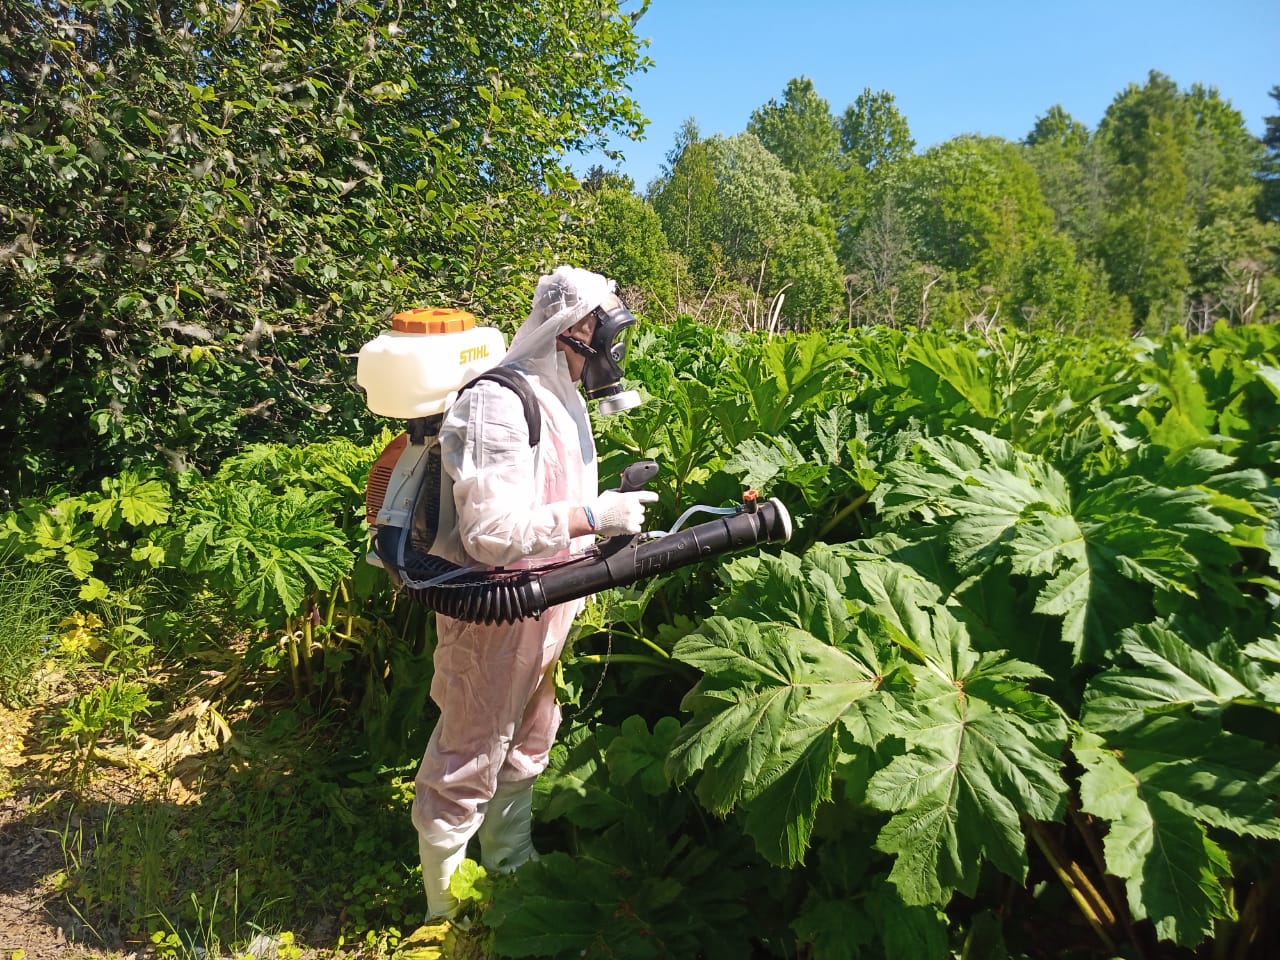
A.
x: 34, y: 918
x: 36, y: 922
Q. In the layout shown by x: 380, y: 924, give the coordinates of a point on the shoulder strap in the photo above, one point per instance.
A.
x: 515, y: 380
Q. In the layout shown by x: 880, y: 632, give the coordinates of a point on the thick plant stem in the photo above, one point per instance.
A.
x: 1068, y: 878
x: 304, y: 655
x: 291, y: 649
x: 1101, y: 904
x: 1113, y: 885
x: 1246, y: 928
x: 636, y: 658
x: 847, y: 509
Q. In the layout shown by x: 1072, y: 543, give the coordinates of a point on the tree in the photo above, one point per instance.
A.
x: 801, y: 133
x: 1059, y: 128
x: 804, y: 273
x: 625, y: 242
x: 1069, y: 165
x: 598, y: 178
x: 1269, y: 173
x: 729, y: 206
x: 1223, y: 155
x: 978, y: 214
x: 1229, y: 257
x: 1145, y: 134
x: 874, y: 139
x: 210, y: 205
x: 873, y: 132
x: 883, y: 265
x: 687, y: 203
x: 977, y: 205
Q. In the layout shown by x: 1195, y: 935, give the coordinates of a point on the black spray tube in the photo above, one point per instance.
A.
x: 621, y: 563
x: 500, y: 596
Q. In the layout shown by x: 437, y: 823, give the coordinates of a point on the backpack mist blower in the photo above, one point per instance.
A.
x: 413, y: 372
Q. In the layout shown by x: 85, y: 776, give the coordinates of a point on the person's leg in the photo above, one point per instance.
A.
x: 484, y: 679
x: 505, y: 834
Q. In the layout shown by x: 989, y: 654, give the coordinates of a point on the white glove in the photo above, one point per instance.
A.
x: 618, y: 513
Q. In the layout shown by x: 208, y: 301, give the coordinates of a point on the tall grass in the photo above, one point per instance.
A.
x: 34, y: 599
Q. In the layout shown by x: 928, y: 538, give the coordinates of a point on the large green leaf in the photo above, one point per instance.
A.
x: 847, y: 929
x: 767, y: 382
x: 979, y: 491
x: 1097, y: 554
x: 1173, y: 871
x: 1160, y: 769
x: 579, y: 906
x: 768, y: 711
x: 266, y: 551
x: 954, y: 366
x: 805, y: 592
x: 1169, y: 674
x: 132, y: 498
x: 982, y: 753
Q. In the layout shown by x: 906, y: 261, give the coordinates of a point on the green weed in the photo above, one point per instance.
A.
x: 263, y: 851
x: 34, y: 598
x: 102, y: 711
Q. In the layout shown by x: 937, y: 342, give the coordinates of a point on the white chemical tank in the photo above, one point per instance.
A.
x: 412, y: 369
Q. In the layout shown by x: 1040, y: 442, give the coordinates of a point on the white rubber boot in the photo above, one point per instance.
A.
x: 438, y: 864
x: 505, y: 840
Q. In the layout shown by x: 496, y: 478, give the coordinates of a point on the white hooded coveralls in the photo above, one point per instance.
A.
x: 493, y: 683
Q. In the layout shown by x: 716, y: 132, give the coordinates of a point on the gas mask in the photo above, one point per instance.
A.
x: 605, y: 355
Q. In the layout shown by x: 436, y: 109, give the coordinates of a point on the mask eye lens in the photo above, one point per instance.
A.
x: 619, y: 349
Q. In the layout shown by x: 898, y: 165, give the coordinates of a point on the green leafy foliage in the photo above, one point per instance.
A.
x: 200, y: 232
x: 266, y: 550
x: 648, y: 877
x: 1019, y: 658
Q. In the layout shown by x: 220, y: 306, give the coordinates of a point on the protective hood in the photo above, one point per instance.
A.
x: 560, y: 300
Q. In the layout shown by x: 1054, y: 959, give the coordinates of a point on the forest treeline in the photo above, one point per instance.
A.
x: 1165, y: 215
x: 205, y: 208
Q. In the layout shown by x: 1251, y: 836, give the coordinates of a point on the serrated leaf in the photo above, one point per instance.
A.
x: 79, y: 561
x: 983, y: 754
x: 1219, y: 778
x: 756, y: 461
x: 836, y: 929
x: 768, y: 709
x: 983, y: 494
x: 1098, y: 554
x: 266, y: 550
x: 570, y: 788
x: 1170, y: 675
x: 907, y: 930
x: 833, y: 428
x: 800, y: 591
x: 1173, y: 871
x: 957, y: 367
x: 569, y: 906
x: 94, y: 589
x: 131, y: 498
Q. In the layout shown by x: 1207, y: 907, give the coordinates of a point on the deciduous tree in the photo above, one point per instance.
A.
x: 204, y: 207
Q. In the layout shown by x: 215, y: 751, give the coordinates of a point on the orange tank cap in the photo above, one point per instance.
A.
x: 432, y: 320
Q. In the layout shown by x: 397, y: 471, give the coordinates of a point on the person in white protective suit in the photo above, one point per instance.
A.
x: 515, y: 503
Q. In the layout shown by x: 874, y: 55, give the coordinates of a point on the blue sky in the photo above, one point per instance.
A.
x: 953, y: 67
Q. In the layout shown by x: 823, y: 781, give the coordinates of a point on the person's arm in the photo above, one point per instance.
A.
x: 579, y: 525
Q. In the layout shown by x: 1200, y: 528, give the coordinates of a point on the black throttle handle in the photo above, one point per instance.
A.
x: 636, y: 476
